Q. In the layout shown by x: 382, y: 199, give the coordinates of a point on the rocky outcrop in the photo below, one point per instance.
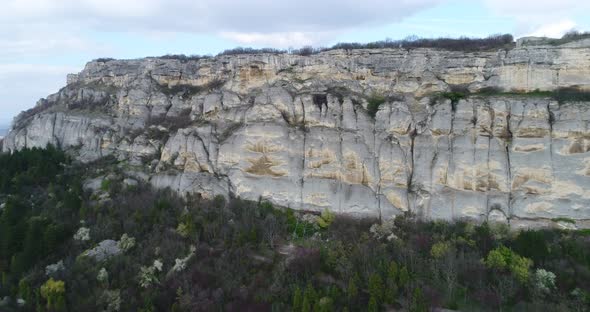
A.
x: 295, y: 130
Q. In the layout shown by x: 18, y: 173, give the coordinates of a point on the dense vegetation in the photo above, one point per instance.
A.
x: 561, y: 95
x: 411, y: 42
x: 453, y: 44
x: 40, y: 200
x: 194, y: 254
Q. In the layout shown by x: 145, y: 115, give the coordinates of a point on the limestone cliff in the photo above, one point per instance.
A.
x: 295, y: 130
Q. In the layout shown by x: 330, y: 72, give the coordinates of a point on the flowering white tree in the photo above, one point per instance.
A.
x: 148, y: 275
x: 112, y: 298
x: 126, y: 242
x: 158, y: 265
x: 103, y: 276
x: 181, y: 263
x: 83, y: 234
x: 544, y: 281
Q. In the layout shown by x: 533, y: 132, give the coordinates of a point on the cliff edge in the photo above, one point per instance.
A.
x: 445, y: 134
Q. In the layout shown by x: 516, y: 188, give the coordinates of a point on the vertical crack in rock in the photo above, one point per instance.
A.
x: 148, y: 105
x: 507, y: 144
x: 303, y: 158
x: 206, y: 149
x: 451, y: 164
x: 474, y: 137
x: 410, y: 183
x: 342, y: 161
x: 489, y: 174
x: 550, y: 120
x: 376, y: 171
x: 53, y: 136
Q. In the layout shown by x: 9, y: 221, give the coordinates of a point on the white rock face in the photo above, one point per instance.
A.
x: 295, y: 130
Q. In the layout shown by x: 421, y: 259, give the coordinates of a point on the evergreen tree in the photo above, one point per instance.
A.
x: 392, y: 271
x: 297, y: 299
x: 351, y: 291
x: 306, y: 304
x: 309, y: 298
x: 390, y: 291
x: 372, y: 307
x: 418, y: 301
x: 391, y: 283
x: 404, y: 277
x: 376, y: 287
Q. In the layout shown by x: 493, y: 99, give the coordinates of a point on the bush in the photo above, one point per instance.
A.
x: 453, y: 44
x: 374, y: 102
x: 54, y: 293
x: 454, y: 96
x: 105, y: 185
x: 240, y: 50
x: 326, y: 218
x: 126, y: 242
x: 439, y: 250
x: 561, y: 95
x: 104, y: 60
x: 502, y: 258
x: 183, y: 58
x: 544, y: 282
x: 532, y: 244
x: 571, y: 95
x: 376, y: 288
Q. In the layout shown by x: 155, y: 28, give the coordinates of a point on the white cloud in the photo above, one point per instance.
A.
x: 278, y: 39
x: 8, y: 70
x: 246, y: 21
x: 554, y: 30
x: 21, y: 85
x: 539, y: 16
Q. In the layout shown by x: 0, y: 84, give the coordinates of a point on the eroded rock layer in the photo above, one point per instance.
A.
x: 295, y: 130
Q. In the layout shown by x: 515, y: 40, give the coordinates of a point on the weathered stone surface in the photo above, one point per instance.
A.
x: 295, y: 130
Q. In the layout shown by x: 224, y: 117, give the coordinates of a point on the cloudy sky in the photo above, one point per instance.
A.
x: 43, y: 40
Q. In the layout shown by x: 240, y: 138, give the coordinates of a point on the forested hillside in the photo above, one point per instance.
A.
x: 90, y: 238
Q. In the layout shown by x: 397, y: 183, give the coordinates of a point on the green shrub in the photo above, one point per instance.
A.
x: 454, y: 96
x: 326, y: 218
x: 105, y: 185
x: 54, y: 293
x: 439, y: 249
x: 374, y: 102
x: 373, y: 305
x: 376, y: 287
x: 502, y: 258
x: 297, y: 299
x: 418, y: 301
x: 571, y: 95
x: 299, y: 228
x: 561, y: 95
x: 532, y: 244
x: 352, y: 291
